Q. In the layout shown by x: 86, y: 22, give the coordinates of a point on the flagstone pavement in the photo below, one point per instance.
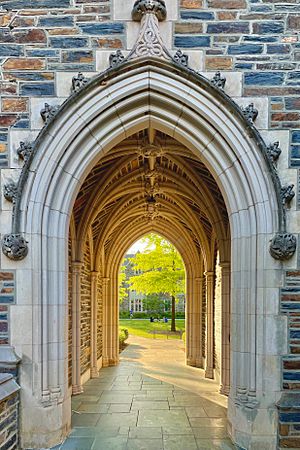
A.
x: 150, y: 401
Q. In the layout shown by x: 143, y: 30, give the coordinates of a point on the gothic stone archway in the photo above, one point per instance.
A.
x: 151, y: 94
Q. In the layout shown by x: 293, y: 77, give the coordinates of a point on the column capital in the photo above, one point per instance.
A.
x: 76, y: 266
x: 94, y: 274
x: 209, y: 274
x: 105, y: 280
x: 225, y: 265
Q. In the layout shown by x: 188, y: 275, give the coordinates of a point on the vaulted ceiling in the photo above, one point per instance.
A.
x: 150, y: 178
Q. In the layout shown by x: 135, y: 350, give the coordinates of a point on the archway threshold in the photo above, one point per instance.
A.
x: 151, y: 400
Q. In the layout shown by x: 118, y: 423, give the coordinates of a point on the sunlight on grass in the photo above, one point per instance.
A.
x: 143, y: 328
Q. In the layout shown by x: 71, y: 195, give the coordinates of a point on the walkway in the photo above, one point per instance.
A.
x: 151, y: 401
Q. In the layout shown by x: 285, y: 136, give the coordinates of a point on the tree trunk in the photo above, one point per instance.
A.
x: 173, y: 324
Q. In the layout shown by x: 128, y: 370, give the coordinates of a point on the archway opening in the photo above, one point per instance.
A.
x: 148, y: 183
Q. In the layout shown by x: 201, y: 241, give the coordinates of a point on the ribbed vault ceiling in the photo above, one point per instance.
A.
x: 139, y: 182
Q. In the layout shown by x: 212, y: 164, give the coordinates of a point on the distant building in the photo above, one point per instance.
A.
x: 134, y: 301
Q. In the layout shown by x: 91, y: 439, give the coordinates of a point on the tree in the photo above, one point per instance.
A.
x: 161, y: 270
x: 123, y: 287
x: 154, y: 303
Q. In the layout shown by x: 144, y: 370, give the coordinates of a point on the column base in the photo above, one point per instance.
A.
x: 108, y: 362
x: 77, y: 389
x: 94, y: 372
x: 224, y: 390
x: 209, y: 373
x: 198, y: 362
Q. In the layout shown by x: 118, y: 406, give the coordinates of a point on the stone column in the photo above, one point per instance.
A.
x: 106, y: 322
x: 94, y: 335
x: 194, y: 323
x: 76, y: 325
x: 225, y: 292
x: 209, y: 369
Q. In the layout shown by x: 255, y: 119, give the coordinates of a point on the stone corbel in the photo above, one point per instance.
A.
x: 14, y: 246
x: 283, y: 246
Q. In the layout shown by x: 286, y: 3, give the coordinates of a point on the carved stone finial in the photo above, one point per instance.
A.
x: 10, y: 191
x: 78, y: 82
x: 218, y: 80
x: 274, y: 151
x: 142, y: 7
x: 25, y: 150
x: 283, y: 246
x: 48, y: 112
x: 181, y: 58
x: 250, y: 112
x: 287, y: 193
x: 14, y: 246
x: 115, y: 59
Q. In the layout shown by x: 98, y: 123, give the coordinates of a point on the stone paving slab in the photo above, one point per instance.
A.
x: 148, y: 405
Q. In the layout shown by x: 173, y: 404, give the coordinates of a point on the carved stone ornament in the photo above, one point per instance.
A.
x: 115, y: 59
x: 283, y: 246
x: 274, y: 151
x: 149, y: 41
x: 10, y: 191
x: 14, y: 246
x: 48, y: 112
x: 287, y: 193
x: 25, y: 150
x: 78, y: 82
x: 142, y: 7
x: 181, y: 58
x: 218, y: 80
x: 250, y: 112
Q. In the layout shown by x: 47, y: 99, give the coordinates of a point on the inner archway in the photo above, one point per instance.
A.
x: 153, y: 100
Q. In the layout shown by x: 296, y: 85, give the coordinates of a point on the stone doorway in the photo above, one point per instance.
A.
x: 135, y: 110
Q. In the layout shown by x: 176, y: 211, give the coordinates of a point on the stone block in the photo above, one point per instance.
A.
x: 56, y: 21
x: 24, y: 64
x: 81, y: 56
x: 108, y: 42
x: 37, y: 89
x: 218, y: 63
x: 245, y: 49
x: 14, y: 104
x: 227, y: 4
x: 264, y: 78
x: 192, y: 41
x: 11, y: 50
x: 32, y: 4
x: 228, y: 27
x: 191, y: 4
x: 197, y: 15
x: 68, y: 42
x: 107, y: 28
x: 270, y: 27
x: 294, y: 21
x: 188, y: 28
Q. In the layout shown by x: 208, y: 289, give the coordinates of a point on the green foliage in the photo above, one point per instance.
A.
x: 124, y: 314
x: 153, y: 303
x: 123, y: 336
x: 123, y: 289
x: 161, y: 266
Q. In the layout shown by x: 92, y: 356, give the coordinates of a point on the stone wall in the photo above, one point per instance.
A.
x: 85, y: 356
x: 9, y: 413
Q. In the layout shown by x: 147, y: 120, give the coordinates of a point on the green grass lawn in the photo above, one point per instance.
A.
x: 143, y: 327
